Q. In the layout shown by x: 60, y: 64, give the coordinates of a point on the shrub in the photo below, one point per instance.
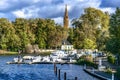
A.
x: 111, y: 59
x: 109, y: 70
x: 86, y: 60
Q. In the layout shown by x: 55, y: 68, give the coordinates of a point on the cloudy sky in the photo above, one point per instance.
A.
x: 53, y: 9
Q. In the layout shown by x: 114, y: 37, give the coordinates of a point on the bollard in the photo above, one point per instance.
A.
x: 59, y: 74
x: 84, y: 66
x: 54, y: 67
x: 75, y: 78
x: 65, y: 76
x: 56, y: 70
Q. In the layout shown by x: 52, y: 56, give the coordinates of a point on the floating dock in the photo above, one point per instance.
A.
x: 17, y: 63
x: 40, y: 62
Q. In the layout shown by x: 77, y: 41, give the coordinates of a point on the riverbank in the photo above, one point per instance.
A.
x: 4, y: 52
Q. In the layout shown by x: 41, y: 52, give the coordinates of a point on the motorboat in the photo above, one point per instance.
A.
x: 57, y: 60
x: 28, y: 57
x: 58, y: 54
x: 17, y: 59
x: 37, y: 59
x: 46, y: 59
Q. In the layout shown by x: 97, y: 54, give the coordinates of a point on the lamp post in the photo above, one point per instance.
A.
x: 113, y: 71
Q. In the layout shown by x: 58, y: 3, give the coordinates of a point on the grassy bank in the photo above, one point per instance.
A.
x: 3, y: 52
x: 9, y: 53
x: 44, y: 53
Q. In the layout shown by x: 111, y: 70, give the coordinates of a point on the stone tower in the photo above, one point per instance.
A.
x: 66, y: 18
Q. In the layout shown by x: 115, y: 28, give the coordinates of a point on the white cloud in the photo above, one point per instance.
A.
x: 109, y: 9
x: 26, y: 12
x: 59, y: 20
x: 19, y: 13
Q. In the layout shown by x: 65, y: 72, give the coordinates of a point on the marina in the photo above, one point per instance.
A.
x: 39, y: 71
x: 58, y: 57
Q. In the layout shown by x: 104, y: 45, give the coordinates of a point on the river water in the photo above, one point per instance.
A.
x: 39, y: 71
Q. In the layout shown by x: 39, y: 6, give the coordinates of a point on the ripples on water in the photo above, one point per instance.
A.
x: 39, y: 71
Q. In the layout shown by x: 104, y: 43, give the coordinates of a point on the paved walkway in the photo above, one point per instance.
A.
x: 100, y: 73
x: 105, y: 74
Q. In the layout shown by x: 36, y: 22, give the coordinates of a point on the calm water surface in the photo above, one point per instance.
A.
x: 39, y: 71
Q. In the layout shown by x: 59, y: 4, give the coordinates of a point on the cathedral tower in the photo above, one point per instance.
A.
x: 66, y: 18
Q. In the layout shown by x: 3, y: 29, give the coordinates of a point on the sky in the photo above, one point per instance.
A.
x: 53, y: 9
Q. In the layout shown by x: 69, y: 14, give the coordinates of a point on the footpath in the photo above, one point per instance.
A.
x: 99, y: 74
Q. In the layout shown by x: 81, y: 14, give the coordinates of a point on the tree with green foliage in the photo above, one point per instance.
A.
x: 71, y: 35
x: 41, y: 34
x: 8, y: 38
x: 50, y: 31
x: 22, y: 29
x: 21, y: 32
x: 113, y: 45
x: 89, y: 44
x: 92, y: 25
x: 56, y: 37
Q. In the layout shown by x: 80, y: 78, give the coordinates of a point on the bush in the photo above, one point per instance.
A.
x: 111, y: 59
x: 84, y: 60
x: 109, y: 70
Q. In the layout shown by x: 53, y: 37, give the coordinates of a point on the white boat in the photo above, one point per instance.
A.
x: 28, y: 57
x: 46, y: 59
x: 58, y: 54
x: 37, y: 59
x: 18, y: 60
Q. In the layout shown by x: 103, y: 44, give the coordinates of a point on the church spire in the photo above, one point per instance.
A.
x: 66, y: 19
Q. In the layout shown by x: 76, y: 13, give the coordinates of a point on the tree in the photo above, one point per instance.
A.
x: 8, y: 38
x: 89, y: 44
x: 22, y: 29
x: 56, y: 37
x: 41, y: 34
x: 91, y: 25
x: 71, y: 35
x: 113, y: 45
x: 50, y: 31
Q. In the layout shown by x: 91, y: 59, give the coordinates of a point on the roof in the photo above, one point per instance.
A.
x: 65, y: 42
